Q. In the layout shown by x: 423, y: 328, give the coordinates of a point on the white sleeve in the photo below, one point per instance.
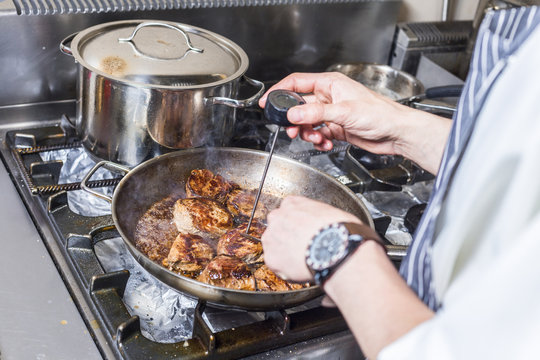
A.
x: 495, y: 313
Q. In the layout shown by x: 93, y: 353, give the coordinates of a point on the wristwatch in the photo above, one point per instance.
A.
x: 333, y: 244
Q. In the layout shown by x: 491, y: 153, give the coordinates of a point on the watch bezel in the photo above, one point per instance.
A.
x: 355, y: 234
x: 316, y: 265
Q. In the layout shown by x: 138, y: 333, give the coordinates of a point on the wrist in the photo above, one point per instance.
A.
x: 359, y: 265
x: 421, y: 137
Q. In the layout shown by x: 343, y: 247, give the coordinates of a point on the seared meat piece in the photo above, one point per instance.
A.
x: 155, y: 232
x: 205, y: 183
x: 189, y: 255
x: 267, y: 280
x: 240, y: 203
x: 229, y: 272
x: 202, y: 215
x: 233, y: 243
x: 297, y: 286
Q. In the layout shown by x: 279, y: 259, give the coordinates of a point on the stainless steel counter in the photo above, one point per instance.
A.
x: 39, y: 318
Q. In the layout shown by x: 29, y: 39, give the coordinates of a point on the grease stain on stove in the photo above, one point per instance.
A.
x: 94, y: 324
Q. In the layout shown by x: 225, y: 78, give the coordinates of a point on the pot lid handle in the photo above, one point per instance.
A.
x: 151, y: 23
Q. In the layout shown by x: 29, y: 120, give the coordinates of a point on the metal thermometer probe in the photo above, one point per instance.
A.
x: 275, y: 112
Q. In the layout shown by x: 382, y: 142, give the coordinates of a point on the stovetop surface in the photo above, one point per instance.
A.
x: 40, y: 317
x: 94, y: 294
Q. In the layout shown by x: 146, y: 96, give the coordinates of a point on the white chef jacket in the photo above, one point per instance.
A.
x: 485, y: 260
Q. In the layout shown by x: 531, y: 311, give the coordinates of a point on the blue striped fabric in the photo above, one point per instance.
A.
x: 500, y: 35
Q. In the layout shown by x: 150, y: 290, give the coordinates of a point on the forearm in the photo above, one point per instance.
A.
x: 422, y: 138
x: 378, y: 305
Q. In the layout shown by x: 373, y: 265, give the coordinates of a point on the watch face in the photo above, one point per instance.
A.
x: 327, y: 248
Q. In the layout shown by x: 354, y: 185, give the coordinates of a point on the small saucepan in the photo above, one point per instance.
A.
x: 399, y: 85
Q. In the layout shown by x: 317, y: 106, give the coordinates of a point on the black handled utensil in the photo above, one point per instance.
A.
x: 275, y: 112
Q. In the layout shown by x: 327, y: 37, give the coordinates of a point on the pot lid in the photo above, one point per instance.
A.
x: 159, y: 53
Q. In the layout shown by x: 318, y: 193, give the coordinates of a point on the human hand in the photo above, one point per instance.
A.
x: 290, y: 228
x: 347, y: 110
x: 340, y: 108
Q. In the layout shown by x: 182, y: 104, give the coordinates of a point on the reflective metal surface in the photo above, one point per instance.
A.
x: 383, y: 79
x: 153, y: 54
x: 127, y: 120
x: 146, y: 184
x: 279, y: 39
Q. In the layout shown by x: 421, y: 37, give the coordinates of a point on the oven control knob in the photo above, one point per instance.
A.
x: 277, y: 105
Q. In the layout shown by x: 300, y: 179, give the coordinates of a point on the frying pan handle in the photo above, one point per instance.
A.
x: 420, y: 102
x: 107, y: 164
x: 444, y: 91
x: 238, y: 103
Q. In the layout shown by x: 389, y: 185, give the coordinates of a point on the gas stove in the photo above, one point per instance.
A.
x: 129, y: 314
x: 68, y: 285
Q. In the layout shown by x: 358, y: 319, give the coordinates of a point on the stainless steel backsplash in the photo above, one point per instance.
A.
x: 280, y: 36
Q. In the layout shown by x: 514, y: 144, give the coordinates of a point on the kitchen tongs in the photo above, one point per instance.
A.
x: 275, y: 112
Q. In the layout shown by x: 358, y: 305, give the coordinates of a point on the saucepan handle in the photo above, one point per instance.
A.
x: 238, y: 103
x: 107, y: 164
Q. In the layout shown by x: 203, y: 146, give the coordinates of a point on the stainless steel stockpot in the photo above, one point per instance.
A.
x: 145, y: 87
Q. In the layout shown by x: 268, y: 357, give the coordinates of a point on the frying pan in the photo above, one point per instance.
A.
x: 399, y: 85
x: 165, y: 176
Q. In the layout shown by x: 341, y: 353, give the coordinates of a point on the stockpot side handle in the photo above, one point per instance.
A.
x: 65, y: 44
x: 130, y: 40
x: 238, y: 103
x: 107, y: 164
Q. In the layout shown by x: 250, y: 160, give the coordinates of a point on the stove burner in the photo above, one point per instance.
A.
x: 251, y: 132
x: 38, y: 170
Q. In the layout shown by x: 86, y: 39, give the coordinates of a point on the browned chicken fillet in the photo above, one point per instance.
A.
x: 229, y: 272
x: 203, y: 182
x: 233, y: 243
x: 189, y: 255
x: 202, y: 215
x: 240, y: 203
x: 297, y: 286
x: 155, y: 232
x: 267, y: 280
